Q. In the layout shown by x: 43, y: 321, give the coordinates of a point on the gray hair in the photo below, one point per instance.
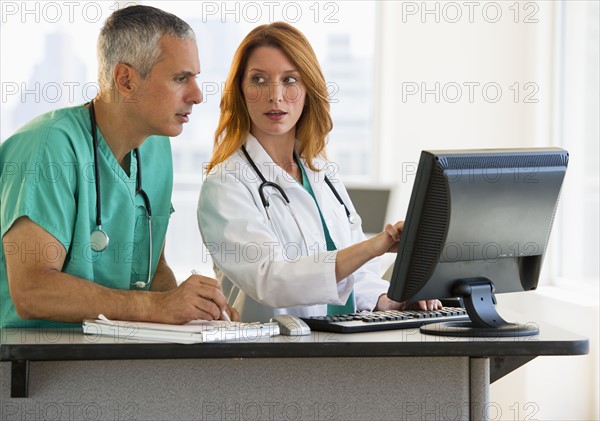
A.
x: 132, y: 36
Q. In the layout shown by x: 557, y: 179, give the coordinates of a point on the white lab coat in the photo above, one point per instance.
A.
x: 274, y: 269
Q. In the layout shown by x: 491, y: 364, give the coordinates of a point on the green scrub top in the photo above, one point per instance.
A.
x: 332, y: 310
x: 47, y: 174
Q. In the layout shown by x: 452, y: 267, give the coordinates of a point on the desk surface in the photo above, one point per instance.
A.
x: 71, y: 344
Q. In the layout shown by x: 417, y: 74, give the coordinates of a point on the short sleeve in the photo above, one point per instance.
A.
x: 39, y: 180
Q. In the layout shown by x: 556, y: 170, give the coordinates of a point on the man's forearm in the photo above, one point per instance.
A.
x: 164, y: 278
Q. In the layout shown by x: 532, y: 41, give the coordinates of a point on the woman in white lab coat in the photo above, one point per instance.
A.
x: 282, y: 237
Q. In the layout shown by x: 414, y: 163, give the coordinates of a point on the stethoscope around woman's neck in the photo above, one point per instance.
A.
x: 353, y: 217
x: 98, y: 238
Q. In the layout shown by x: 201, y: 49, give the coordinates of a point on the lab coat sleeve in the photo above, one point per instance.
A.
x: 368, y: 285
x: 246, y: 249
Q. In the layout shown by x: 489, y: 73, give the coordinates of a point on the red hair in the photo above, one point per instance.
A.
x: 315, y: 122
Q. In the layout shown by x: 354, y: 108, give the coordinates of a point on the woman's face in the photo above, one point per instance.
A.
x: 274, y: 94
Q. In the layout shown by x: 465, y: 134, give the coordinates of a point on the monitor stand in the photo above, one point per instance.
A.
x: 480, y: 303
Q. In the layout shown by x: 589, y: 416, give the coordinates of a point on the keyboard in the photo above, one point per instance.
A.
x: 371, y: 321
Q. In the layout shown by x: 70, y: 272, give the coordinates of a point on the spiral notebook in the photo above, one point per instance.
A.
x: 196, y: 331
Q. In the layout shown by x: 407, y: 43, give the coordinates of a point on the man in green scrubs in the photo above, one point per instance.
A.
x: 51, y: 272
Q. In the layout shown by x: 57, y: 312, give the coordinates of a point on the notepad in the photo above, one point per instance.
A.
x: 197, y: 331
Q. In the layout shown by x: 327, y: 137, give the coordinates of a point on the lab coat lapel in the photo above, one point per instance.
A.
x: 261, y: 158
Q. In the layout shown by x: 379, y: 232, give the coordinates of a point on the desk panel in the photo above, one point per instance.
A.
x: 246, y: 389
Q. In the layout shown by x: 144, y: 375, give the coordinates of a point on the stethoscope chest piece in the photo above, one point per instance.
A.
x: 98, y: 240
x: 355, y: 220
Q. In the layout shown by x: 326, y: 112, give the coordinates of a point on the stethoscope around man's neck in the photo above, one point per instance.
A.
x: 353, y: 217
x: 98, y: 238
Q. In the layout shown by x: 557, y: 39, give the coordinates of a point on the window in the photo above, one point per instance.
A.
x: 59, y: 70
x: 48, y: 58
x: 43, y: 67
x: 577, y: 130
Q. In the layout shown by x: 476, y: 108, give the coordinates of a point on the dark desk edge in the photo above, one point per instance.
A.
x: 139, y: 351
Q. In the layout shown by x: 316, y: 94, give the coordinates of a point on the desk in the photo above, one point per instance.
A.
x: 381, y: 375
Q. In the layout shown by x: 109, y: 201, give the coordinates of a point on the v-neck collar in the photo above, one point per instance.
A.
x: 111, y: 161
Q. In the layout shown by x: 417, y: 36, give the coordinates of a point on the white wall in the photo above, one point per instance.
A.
x: 415, y: 49
x: 457, y: 54
x: 553, y: 388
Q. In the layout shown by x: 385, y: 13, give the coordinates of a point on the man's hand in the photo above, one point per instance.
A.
x: 198, y: 297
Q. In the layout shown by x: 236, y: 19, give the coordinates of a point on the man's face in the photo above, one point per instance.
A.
x: 163, y: 102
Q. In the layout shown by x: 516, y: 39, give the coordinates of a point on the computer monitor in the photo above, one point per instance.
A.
x: 478, y: 223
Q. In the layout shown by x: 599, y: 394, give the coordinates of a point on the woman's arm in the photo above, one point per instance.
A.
x: 352, y: 258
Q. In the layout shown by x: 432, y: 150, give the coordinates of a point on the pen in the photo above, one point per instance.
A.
x: 223, y: 312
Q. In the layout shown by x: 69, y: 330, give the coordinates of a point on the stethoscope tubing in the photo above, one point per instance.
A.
x: 264, y: 184
x: 96, y: 165
x: 99, y: 238
x: 138, y: 178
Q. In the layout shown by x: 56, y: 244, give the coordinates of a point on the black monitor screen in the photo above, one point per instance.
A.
x: 478, y: 219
